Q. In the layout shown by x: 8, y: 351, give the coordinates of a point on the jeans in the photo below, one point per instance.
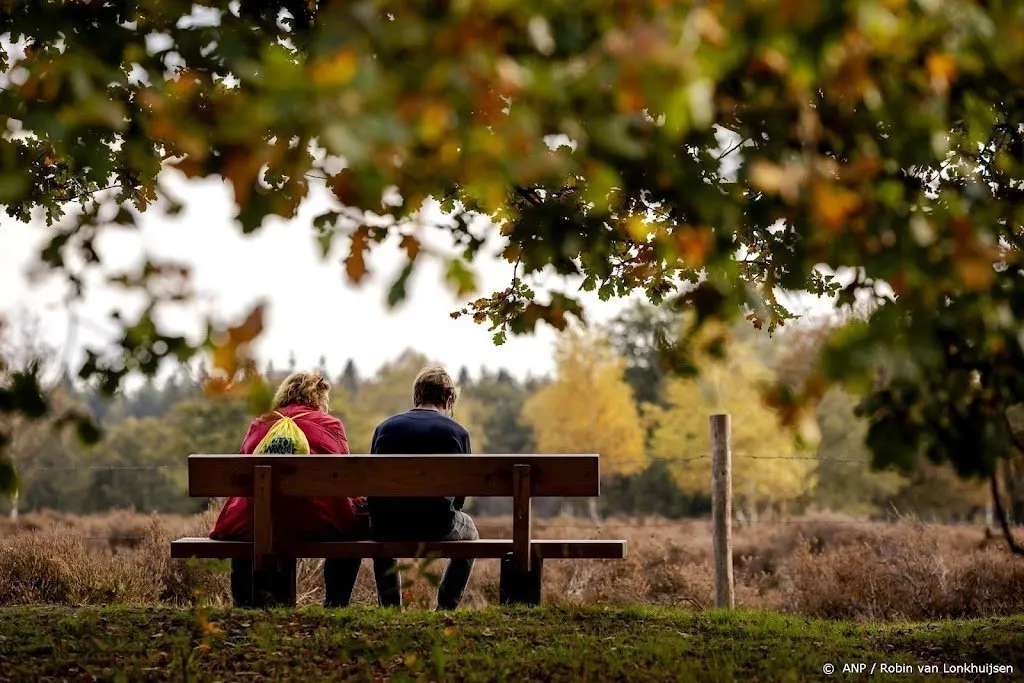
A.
x: 453, y: 581
x: 339, y: 580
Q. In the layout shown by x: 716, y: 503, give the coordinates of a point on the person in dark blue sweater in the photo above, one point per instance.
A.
x: 429, y: 428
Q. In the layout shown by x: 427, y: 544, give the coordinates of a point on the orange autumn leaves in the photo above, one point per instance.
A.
x: 942, y: 71
x: 836, y: 100
x: 588, y: 408
x: 832, y: 191
x: 233, y: 368
x: 842, y: 199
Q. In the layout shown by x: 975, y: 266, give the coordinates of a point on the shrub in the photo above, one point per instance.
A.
x: 816, y: 566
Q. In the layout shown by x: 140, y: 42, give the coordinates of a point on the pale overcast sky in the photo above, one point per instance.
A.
x: 313, y: 310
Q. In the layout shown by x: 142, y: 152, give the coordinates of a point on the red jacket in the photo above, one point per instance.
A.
x: 308, y: 518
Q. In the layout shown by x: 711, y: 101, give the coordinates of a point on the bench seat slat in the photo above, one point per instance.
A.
x: 199, y: 547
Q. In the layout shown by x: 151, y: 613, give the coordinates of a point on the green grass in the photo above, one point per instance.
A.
x: 542, y: 644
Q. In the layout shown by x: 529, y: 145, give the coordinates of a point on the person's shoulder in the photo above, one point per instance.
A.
x: 300, y: 412
x: 390, y: 420
x: 454, y: 426
x: 397, y: 418
x: 323, y: 418
x: 256, y: 425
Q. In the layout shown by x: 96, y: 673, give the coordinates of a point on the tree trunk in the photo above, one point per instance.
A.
x: 1004, y: 522
x: 751, y: 501
x: 14, y: 507
x: 592, y: 508
x: 1013, y: 485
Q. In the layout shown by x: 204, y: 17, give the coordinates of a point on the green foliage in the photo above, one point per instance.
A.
x: 936, y: 492
x: 30, y: 414
x: 8, y: 477
x: 148, y: 432
x: 846, y: 482
x: 639, y: 335
x: 389, y: 393
x: 720, y: 153
x: 24, y: 393
x: 139, y: 463
x: 588, y: 408
x: 652, y: 491
x: 500, y: 398
x: 547, y: 643
x: 770, y: 469
x: 147, y: 456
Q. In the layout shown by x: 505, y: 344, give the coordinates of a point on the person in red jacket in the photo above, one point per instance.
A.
x: 304, y: 397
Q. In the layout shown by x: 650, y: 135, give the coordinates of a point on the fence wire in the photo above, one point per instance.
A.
x: 543, y: 525
x: 651, y: 460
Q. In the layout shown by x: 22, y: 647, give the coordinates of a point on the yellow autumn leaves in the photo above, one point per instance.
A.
x: 768, y: 470
x: 589, y: 408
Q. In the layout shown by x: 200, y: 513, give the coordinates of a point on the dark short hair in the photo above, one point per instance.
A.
x: 433, y: 386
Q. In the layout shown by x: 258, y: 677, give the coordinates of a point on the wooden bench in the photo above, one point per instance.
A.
x: 267, y: 478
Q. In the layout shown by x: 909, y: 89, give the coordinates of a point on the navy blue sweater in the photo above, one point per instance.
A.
x: 417, y: 431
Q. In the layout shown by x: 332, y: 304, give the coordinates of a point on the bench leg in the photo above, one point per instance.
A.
x: 516, y: 587
x: 273, y: 585
x: 241, y: 583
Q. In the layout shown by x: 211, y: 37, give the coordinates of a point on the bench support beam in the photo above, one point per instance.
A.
x: 522, y: 522
x: 521, y: 571
x: 263, y: 525
x: 270, y: 586
x: 271, y: 577
x: 518, y: 587
x: 274, y: 586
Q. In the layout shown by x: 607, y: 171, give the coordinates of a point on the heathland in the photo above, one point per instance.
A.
x: 813, y: 566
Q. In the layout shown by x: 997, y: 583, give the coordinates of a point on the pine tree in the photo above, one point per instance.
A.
x: 349, y: 379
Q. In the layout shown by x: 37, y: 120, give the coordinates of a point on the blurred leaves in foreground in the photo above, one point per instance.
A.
x: 715, y: 154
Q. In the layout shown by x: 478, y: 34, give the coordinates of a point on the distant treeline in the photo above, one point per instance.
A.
x: 612, y: 394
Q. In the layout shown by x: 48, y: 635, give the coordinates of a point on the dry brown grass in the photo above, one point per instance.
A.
x: 817, y: 566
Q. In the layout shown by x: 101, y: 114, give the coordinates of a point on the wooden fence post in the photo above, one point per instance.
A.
x: 721, y: 508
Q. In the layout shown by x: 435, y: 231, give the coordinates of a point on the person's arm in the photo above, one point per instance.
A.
x: 342, y: 438
x: 249, y: 442
x: 373, y: 441
x: 326, y: 434
x: 467, y: 449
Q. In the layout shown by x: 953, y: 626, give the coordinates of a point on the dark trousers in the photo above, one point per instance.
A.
x: 339, y: 580
x: 453, y: 581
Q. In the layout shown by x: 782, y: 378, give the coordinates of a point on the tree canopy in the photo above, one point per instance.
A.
x: 768, y: 470
x: 714, y: 154
x: 589, y: 407
x: 149, y: 428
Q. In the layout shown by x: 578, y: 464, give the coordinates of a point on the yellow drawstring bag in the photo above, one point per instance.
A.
x: 284, y: 438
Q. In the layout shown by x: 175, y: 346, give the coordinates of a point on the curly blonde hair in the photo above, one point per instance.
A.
x: 303, y: 388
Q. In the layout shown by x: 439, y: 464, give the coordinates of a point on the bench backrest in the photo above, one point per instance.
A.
x: 522, y: 477
x: 394, y: 475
